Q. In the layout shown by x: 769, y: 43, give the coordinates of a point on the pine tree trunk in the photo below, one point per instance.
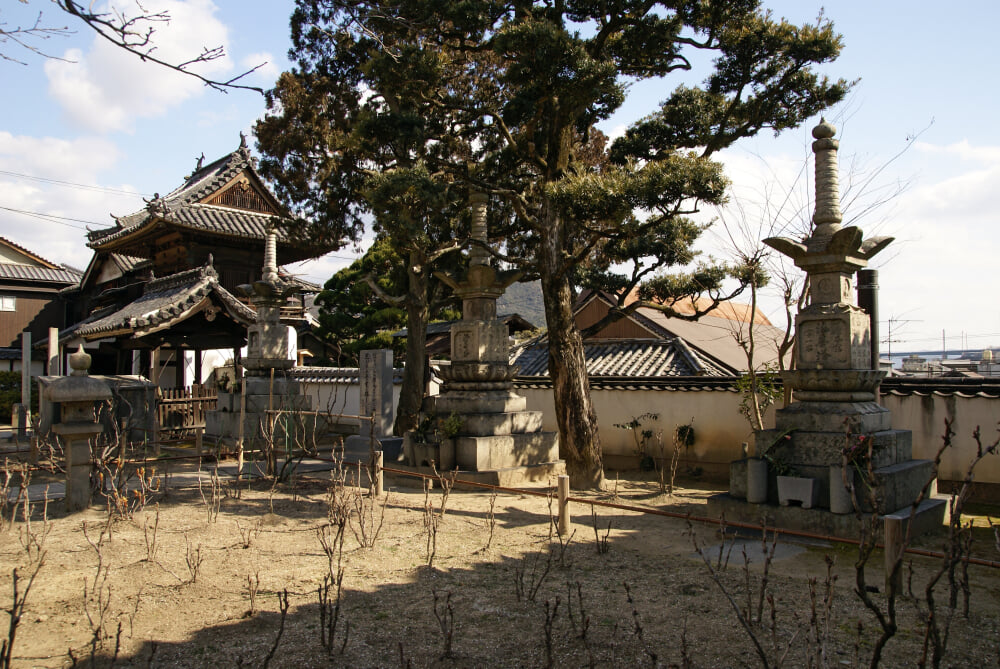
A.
x: 579, y: 443
x: 411, y: 394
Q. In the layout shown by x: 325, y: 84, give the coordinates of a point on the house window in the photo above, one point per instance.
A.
x: 8, y: 303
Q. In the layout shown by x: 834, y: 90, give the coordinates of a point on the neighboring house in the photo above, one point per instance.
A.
x: 684, y: 372
x: 162, y: 290
x: 29, y: 300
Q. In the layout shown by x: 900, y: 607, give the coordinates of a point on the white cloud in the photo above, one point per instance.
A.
x: 267, y: 71
x: 962, y: 150
x: 50, y: 159
x: 106, y: 89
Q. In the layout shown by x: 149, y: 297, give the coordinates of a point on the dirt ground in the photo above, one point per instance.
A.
x: 173, y: 586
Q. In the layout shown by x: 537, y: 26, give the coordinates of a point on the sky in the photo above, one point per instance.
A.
x: 90, y: 133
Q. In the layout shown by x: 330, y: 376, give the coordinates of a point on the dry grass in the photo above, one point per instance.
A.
x: 462, y: 612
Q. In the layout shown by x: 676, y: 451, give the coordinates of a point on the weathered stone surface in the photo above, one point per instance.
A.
x: 860, y: 417
x: 470, y: 402
x: 500, y: 451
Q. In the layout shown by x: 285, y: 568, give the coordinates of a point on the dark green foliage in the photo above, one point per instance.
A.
x: 350, y: 314
x: 10, y: 393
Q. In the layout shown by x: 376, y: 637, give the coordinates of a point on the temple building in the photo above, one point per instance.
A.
x: 161, y: 289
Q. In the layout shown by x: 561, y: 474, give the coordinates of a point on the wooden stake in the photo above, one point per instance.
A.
x: 563, y: 527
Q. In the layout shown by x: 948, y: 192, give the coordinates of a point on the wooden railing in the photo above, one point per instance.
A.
x: 182, y: 409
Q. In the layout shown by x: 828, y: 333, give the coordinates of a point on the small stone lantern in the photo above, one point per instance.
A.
x: 76, y: 395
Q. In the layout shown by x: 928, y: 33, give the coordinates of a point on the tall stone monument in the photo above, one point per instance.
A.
x: 266, y: 365
x: 833, y: 384
x: 497, y: 440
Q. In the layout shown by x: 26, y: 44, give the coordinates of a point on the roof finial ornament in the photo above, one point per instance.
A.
x: 201, y: 161
x: 211, y: 260
x: 243, y: 140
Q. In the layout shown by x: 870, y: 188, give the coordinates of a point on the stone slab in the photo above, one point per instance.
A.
x: 863, y: 417
x: 509, y: 422
x: 805, y: 447
x: 929, y: 517
x: 504, y: 451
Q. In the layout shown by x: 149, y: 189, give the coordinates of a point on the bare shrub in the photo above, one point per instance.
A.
x: 600, y: 543
x: 445, y: 615
x: 193, y: 558
x: 19, y: 597
x: 249, y: 533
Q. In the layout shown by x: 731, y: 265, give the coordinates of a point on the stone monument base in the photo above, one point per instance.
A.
x: 222, y: 425
x: 928, y: 518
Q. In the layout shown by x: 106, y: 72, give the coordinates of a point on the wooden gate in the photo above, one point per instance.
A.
x: 180, y: 410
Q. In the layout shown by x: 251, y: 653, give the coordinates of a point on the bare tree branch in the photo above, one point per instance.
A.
x: 133, y: 33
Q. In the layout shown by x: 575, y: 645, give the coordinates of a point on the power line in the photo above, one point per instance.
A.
x: 70, y: 184
x: 52, y: 218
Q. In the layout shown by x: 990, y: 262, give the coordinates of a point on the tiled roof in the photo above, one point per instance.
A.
x: 953, y: 386
x: 167, y: 299
x: 335, y: 374
x: 724, y: 384
x: 182, y: 206
x: 624, y: 358
x: 45, y: 274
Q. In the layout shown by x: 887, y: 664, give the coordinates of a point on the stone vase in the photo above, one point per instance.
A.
x: 840, y: 496
x: 756, y: 480
x: 798, y: 489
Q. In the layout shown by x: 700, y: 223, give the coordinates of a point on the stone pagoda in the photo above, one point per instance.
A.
x: 834, y: 388
x: 266, y: 365
x: 495, y: 438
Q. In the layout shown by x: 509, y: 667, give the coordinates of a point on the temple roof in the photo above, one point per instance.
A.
x: 226, y: 198
x: 167, y: 301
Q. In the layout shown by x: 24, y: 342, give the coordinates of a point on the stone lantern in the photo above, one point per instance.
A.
x: 76, y: 395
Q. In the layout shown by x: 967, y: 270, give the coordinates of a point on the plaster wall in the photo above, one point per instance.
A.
x: 719, y: 428
x: 340, y: 398
x: 925, y: 416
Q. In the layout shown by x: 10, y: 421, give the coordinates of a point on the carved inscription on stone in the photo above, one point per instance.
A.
x: 824, y: 344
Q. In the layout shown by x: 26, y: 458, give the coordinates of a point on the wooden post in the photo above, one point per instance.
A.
x: 55, y: 368
x: 377, y: 473
x: 24, y: 415
x: 199, y: 440
x: 893, y: 551
x: 243, y: 417
x: 154, y: 366
x: 563, y: 505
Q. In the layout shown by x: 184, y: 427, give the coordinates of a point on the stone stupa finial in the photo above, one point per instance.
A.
x: 270, y: 256
x: 827, y: 216
x: 478, y: 255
